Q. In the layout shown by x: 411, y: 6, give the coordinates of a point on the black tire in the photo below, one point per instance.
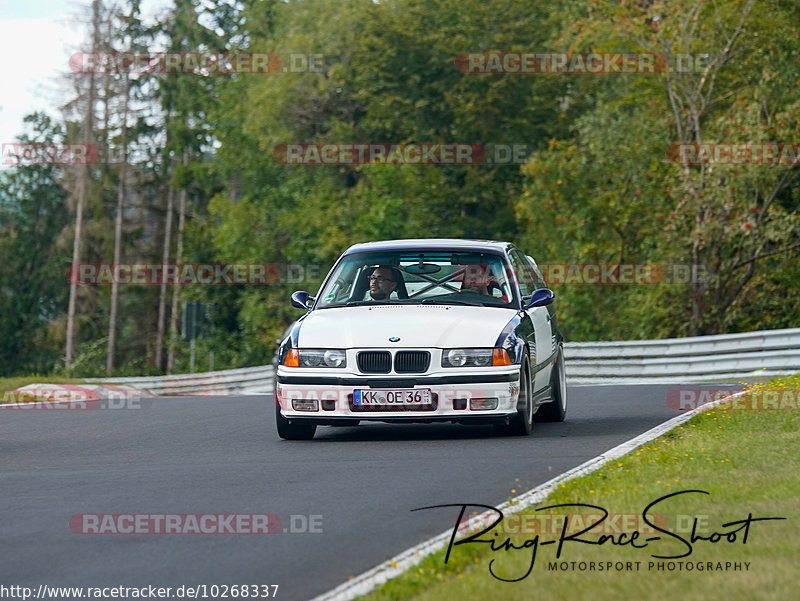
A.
x: 295, y: 431
x: 555, y: 410
x: 522, y: 423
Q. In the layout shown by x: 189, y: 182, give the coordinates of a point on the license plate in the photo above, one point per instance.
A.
x: 419, y: 396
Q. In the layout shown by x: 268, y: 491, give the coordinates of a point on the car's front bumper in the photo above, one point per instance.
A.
x: 461, y: 397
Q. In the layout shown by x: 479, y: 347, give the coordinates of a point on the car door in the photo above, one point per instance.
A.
x: 540, y: 317
x: 551, y: 309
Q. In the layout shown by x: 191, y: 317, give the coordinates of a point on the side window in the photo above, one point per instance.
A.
x: 540, y: 283
x: 526, y: 276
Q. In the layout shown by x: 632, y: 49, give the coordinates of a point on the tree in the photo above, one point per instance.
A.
x: 87, y: 137
x: 723, y: 221
x: 134, y: 38
x: 33, y: 213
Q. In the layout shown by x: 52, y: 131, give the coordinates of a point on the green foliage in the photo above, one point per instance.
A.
x: 32, y: 273
x: 609, y: 194
x: 597, y: 186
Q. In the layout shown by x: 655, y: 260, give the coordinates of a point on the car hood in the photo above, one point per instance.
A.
x: 438, y: 326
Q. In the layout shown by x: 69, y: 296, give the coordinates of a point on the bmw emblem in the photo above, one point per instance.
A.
x: 394, y: 339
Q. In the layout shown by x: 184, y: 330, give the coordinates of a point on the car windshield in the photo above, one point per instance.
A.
x: 413, y: 277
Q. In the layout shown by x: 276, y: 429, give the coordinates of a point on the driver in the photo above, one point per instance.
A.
x: 382, y: 283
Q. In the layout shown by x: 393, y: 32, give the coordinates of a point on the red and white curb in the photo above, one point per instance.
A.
x: 369, y: 580
x: 68, y: 393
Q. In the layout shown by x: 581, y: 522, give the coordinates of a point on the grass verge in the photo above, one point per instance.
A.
x: 746, y: 458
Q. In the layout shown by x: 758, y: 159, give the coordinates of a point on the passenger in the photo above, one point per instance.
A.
x: 476, y: 287
x: 476, y: 280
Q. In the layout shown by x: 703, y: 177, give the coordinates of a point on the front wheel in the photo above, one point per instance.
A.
x: 556, y: 410
x: 295, y: 431
x: 522, y: 423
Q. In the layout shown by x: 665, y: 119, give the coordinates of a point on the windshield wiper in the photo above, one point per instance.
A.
x: 356, y: 303
x: 433, y: 301
x: 427, y: 301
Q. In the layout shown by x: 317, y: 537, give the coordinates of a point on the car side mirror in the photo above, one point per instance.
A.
x: 302, y: 300
x: 540, y: 298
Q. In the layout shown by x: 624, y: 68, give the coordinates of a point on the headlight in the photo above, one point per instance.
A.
x: 467, y: 357
x: 334, y: 358
x: 321, y: 358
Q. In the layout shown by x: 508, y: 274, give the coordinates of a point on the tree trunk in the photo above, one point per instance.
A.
x: 162, y: 295
x: 76, y: 257
x: 83, y: 185
x: 173, y: 327
x: 112, y: 319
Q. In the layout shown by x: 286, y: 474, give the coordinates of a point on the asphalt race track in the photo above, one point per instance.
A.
x: 222, y: 455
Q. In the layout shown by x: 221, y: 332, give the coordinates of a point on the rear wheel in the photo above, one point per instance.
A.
x: 522, y: 423
x: 293, y: 431
x: 556, y: 410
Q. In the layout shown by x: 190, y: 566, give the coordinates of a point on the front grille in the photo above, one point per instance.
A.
x: 411, y: 362
x: 374, y: 362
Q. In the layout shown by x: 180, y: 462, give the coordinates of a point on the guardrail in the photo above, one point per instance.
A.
x: 229, y: 381
x: 726, y: 357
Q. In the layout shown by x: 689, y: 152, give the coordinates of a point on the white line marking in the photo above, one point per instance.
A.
x: 369, y: 580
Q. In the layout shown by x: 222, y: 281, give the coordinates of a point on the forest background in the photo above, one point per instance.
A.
x: 187, y: 169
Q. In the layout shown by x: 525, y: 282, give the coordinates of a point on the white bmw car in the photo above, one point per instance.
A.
x: 429, y: 330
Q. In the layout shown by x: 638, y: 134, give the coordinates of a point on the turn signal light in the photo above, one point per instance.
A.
x: 500, y: 357
x: 292, y: 358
